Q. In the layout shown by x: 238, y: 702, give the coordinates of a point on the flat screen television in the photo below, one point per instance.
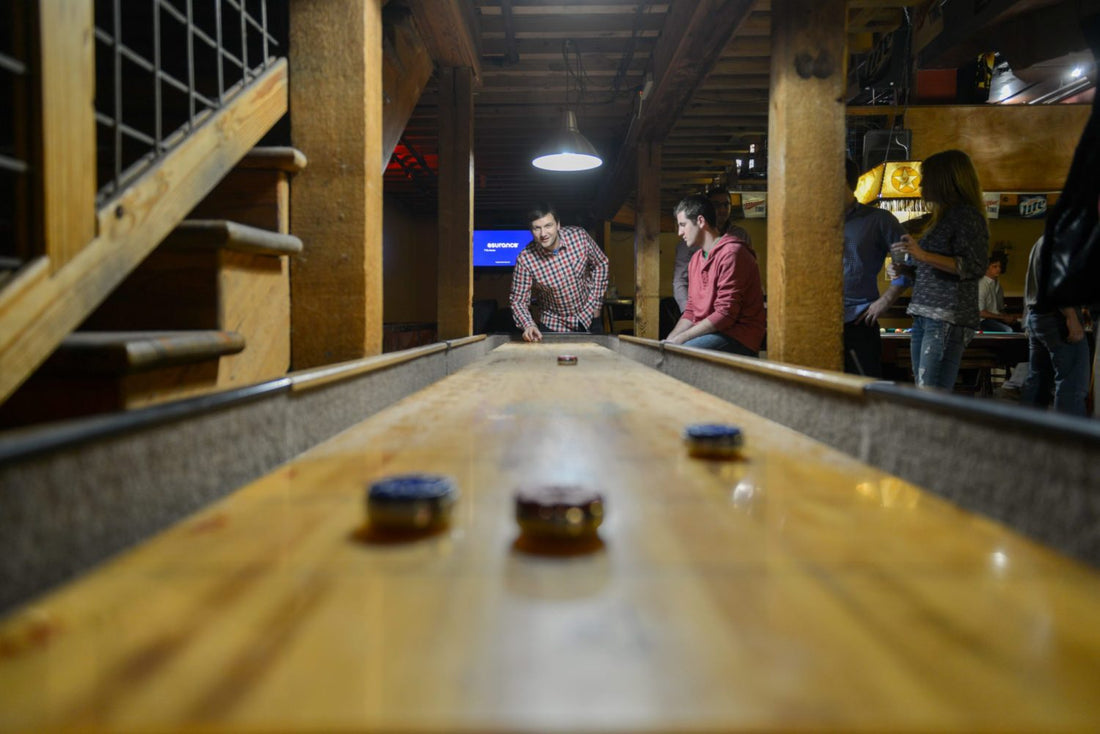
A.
x: 498, y: 248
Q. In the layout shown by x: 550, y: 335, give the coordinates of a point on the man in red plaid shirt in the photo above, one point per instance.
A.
x: 559, y: 279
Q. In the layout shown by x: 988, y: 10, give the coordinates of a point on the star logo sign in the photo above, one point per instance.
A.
x: 905, y: 180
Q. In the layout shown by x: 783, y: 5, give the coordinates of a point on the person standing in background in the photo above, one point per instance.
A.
x: 950, y: 258
x: 868, y: 233
x: 1058, y: 352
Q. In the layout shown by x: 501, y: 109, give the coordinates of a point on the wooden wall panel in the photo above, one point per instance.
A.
x: 1014, y: 147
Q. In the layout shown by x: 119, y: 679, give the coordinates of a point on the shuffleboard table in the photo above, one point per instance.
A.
x: 794, y: 588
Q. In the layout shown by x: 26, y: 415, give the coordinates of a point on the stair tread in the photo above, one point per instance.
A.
x: 277, y: 158
x: 222, y: 233
x: 121, y: 352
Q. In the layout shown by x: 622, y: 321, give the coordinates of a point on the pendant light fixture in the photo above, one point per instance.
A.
x: 567, y: 149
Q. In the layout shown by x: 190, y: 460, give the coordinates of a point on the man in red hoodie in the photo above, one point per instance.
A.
x: 725, y: 307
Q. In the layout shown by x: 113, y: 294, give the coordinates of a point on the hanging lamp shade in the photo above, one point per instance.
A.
x: 568, y: 150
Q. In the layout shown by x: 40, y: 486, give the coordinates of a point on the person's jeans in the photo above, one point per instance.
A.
x: 720, y: 342
x: 1055, y: 364
x: 936, y: 351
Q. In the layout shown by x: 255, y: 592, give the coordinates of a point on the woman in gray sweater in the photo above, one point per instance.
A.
x: 949, y: 260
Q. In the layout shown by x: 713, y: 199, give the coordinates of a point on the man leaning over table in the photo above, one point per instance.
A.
x: 725, y: 306
x: 559, y: 280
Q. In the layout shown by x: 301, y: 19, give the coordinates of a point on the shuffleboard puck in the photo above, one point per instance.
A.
x: 411, y: 502
x: 559, y: 512
x: 713, y: 440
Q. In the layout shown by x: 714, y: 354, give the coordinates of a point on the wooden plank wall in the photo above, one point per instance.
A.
x: 1014, y: 147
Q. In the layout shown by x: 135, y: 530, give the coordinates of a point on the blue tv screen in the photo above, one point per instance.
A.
x: 498, y: 248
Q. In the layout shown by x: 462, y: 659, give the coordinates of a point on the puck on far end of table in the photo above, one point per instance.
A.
x: 567, y: 359
x: 411, y: 501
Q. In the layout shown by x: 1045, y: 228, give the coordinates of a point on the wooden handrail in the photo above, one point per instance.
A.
x: 823, y: 379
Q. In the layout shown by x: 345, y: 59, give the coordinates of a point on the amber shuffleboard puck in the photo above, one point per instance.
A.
x: 559, y: 512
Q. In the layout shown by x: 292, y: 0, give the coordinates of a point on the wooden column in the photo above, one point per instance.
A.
x: 336, y: 203
x: 647, y: 242
x: 806, y: 188
x: 456, y: 202
x: 68, y: 145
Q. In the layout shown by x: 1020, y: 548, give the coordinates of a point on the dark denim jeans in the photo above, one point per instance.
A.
x: 936, y: 351
x: 1055, y: 364
x: 720, y: 342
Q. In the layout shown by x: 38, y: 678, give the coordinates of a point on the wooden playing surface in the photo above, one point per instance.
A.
x: 796, y: 589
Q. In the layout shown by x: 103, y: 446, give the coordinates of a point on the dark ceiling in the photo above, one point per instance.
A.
x: 537, y: 58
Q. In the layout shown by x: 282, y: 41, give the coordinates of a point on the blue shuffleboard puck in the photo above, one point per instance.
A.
x: 411, y: 501
x: 713, y: 440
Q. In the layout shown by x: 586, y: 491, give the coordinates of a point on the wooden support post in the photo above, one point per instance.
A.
x: 647, y: 242
x: 806, y: 183
x: 68, y: 146
x: 456, y: 202
x: 336, y: 203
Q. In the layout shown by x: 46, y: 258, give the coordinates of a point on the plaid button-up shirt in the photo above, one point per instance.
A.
x: 560, y: 290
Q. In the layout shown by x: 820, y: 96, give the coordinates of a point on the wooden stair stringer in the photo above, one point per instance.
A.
x: 38, y: 311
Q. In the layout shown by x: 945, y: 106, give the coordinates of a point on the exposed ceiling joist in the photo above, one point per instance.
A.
x: 689, y: 46
x: 450, y: 32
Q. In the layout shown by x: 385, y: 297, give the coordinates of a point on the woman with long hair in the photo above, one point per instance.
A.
x: 949, y: 260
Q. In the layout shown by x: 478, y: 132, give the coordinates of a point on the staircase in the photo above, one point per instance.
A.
x: 209, y: 308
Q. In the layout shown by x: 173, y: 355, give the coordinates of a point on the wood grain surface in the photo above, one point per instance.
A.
x: 796, y: 589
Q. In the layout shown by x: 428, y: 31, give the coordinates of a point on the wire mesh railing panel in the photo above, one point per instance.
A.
x: 15, y: 116
x: 164, y: 66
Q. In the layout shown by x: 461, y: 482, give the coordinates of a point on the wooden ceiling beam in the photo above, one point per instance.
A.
x: 488, y: 112
x: 742, y: 46
x: 743, y: 65
x: 690, y: 44
x: 449, y: 31
x: 575, y: 8
x: 574, y: 23
x: 594, y: 64
x: 406, y: 67
x: 529, y: 48
x: 554, y: 80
